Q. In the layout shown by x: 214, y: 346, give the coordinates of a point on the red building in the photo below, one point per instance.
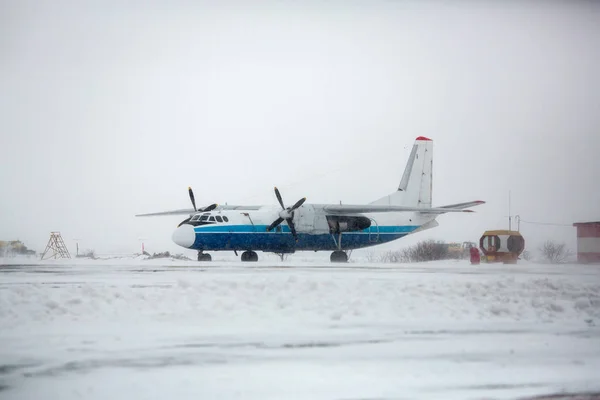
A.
x: 588, y: 242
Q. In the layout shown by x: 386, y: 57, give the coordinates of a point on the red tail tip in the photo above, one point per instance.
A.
x: 423, y: 138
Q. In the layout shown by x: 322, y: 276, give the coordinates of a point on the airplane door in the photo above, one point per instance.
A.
x: 321, y: 224
x: 249, y: 219
x: 305, y: 218
x: 373, y: 231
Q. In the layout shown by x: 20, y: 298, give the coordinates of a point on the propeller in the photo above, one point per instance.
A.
x: 209, y: 208
x: 191, y: 193
x: 193, y: 200
x: 286, y: 214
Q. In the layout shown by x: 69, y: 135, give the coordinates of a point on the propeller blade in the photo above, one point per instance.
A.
x: 275, y: 223
x: 211, y: 207
x: 298, y: 203
x: 279, y: 197
x: 290, y: 223
x: 184, y: 221
x: 192, y: 198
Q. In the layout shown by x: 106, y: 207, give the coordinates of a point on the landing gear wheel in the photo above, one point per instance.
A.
x: 250, y: 256
x: 339, y: 256
x: 204, y: 257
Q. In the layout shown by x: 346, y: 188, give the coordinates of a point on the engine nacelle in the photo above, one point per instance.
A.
x: 338, y: 224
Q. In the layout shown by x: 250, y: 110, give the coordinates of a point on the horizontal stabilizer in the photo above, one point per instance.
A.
x: 465, y: 205
x: 455, y: 207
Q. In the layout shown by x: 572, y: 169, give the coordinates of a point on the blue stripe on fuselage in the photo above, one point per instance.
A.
x: 256, y: 237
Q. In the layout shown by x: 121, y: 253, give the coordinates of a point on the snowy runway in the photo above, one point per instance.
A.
x: 155, y: 330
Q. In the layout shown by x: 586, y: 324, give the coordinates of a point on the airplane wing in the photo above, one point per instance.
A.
x: 188, y: 211
x: 371, y: 208
x: 232, y: 207
x: 183, y: 211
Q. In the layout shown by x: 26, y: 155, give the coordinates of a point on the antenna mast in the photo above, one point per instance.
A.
x: 509, y: 216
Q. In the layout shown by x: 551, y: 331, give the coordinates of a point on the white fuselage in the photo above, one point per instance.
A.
x: 316, y: 229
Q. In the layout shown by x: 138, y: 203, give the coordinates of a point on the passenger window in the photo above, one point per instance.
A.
x: 211, y: 219
x: 204, y: 218
x: 219, y: 219
x: 225, y: 219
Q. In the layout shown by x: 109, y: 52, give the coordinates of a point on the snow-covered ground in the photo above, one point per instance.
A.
x: 163, y: 329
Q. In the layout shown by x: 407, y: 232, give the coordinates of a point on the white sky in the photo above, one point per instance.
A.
x: 109, y: 109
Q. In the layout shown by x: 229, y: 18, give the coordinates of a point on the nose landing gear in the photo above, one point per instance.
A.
x: 204, y: 257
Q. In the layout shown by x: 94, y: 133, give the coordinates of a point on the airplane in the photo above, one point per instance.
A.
x: 317, y: 227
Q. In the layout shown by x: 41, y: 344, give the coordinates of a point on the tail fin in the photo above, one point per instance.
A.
x: 415, y: 188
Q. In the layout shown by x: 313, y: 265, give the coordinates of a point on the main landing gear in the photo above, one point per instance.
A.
x: 339, y: 256
x: 250, y: 256
x: 204, y: 257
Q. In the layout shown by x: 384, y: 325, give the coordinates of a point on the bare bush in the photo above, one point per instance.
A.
x: 166, y: 254
x: 555, y: 253
x: 87, y: 254
x: 371, y: 257
x: 392, y: 257
x: 428, y: 250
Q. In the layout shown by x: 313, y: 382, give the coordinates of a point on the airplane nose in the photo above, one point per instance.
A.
x: 184, y: 236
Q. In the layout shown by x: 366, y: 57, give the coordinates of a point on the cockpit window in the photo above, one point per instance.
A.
x: 219, y: 219
x: 225, y: 219
x: 204, y: 218
x: 211, y: 219
x: 195, y: 218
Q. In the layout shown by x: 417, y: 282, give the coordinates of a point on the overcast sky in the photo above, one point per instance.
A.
x: 109, y: 109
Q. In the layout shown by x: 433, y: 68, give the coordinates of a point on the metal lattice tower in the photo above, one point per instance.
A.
x: 56, y: 246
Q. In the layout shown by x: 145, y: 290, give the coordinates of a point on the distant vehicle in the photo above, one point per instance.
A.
x: 317, y: 227
x: 460, y: 250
